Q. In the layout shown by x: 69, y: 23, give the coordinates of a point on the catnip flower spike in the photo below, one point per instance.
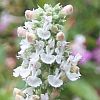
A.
x: 46, y: 55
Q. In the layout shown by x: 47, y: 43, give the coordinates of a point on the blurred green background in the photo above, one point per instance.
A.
x: 85, y: 21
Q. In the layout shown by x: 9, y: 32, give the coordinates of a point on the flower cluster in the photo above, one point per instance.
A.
x: 47, y: 60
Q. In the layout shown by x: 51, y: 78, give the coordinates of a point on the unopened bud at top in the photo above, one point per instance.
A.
x: 67, y: 10
x: 21, y: 32
x: 60, y: 36
x: 29, y: 14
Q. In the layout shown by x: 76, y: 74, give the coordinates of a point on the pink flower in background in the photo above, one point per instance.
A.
x: 10, y: 62
x: 2, y: 27
x: 96, y: 52
x: 79, y: 47
x: 6, y: 19
x: 98, y: 42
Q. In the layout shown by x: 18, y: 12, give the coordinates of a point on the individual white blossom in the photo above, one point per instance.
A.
x: 34, y: 57
x: 73, y: 76
x: 20, y: 71
x: 43, y: 34
x: 48, y: 57
x: 59, y: 58
x: 70, y: 68
x: 75, y: 59
x: 24, y: 44
x: 54, y: 80
x: 28, y: 91
x: 33, y: 80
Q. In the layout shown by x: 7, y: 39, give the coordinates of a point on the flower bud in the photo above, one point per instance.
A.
x: 54, y: 29
x: 29, y: 14
x: 60, y: 36
x: 18, y: 97
x: 67, y: 10
x: 31, y: 37
x: 18, y: 92
x: 21, y: 32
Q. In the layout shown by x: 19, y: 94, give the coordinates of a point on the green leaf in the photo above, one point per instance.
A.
x: 2, y: 55
x: 83, y: 89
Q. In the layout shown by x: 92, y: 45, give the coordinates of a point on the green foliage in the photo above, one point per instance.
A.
x: 82, y: 89
x: 2, y: 55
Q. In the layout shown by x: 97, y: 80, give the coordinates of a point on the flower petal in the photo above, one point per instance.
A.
x: 48, y: 59
x: 34, y: 82
x: 54, y: 82
x: 43, y: 34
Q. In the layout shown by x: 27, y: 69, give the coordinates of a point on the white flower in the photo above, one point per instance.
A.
x: 34, y: 57
x: 25, y: 63
x: 24, y: 44
x: 28, y: 25
x: 28, y: 91
x: 61, y: 45
x: 44, y: 96
x: 59, y: 58
x: 73, y: 76
x: 43, y: 34
x: 65, y: 65
x: 47, y: 23
x: 74, y: 59
x: 39, y: 47
x: 70, y: 68
x: 48, y: 19
x: 23, y: 72
x: 35, y: 65
x: 54, y: 79
x: 33, y: 80
x: 47, y: 57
